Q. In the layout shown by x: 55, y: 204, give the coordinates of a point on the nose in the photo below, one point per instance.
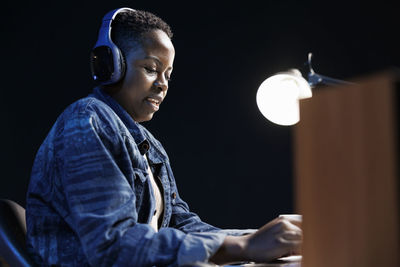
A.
x: 161, y: 84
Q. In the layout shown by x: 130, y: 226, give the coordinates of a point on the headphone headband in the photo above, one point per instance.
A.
x: 106, y: 60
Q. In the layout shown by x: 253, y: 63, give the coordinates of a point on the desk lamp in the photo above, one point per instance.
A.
x: 278, y: 96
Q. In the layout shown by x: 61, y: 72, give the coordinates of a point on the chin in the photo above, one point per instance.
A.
x: 145, y: 118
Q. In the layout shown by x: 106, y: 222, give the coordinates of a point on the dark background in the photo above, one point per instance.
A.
x: 232, y: 166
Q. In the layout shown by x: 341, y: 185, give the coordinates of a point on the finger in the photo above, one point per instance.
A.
x: 293, y: 227
x: 292, y: 252
x: 296, y: 248
x: 283, y: 224
x: 292, y: 235
x: 293, y: 218
x: 290, y: 245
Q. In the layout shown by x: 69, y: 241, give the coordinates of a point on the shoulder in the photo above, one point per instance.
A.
x: 90, y: 111
x: 88, y: 107
x: 86, y: 117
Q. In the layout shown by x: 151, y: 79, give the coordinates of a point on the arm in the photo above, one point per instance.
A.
x: 102, y: 206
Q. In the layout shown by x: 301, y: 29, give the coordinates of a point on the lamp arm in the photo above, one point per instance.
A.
x: 315, y: 79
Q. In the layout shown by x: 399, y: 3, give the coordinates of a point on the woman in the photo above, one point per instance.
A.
x: 102, y: 191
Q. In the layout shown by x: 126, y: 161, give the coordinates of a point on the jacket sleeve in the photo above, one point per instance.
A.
x: 102, y: 206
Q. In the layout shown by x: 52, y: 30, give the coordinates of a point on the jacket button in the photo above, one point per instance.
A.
x: 173, y: 195
x: 145, y: 146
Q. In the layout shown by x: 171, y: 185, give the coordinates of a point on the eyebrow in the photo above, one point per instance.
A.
x: 157, y: 60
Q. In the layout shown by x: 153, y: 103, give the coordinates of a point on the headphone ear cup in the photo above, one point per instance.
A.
x: 107, y: 64
x: 102, y: 63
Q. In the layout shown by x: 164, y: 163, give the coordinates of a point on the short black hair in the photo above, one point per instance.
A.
x: 128, y: 28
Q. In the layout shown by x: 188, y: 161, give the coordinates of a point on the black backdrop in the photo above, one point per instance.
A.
x: 232, y: 166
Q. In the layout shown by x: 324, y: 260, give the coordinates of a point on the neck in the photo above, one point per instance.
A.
x: 111, y: 89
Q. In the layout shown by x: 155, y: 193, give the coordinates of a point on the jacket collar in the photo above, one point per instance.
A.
x: 133, y: 127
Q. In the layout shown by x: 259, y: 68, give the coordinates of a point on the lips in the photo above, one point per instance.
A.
x: 155, y: 101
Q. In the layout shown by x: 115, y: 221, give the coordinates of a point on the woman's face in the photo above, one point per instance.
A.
x: 148, y: 70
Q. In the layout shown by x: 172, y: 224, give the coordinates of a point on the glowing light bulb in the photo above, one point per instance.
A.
x: 278, y: 97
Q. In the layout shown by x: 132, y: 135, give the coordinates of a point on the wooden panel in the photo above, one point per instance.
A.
x: 346, y: 174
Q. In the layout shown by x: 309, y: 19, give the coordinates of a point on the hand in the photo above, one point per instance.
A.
x: 280, y: 237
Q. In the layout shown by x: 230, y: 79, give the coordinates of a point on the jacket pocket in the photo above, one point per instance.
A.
x: 140, y: 175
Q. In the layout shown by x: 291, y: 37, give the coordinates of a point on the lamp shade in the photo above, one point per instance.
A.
x: 278, y: 97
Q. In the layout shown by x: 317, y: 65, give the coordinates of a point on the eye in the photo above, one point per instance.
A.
x: 150, y: 70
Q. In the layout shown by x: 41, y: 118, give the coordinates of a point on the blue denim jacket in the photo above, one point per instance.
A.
x: 90, y: 200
